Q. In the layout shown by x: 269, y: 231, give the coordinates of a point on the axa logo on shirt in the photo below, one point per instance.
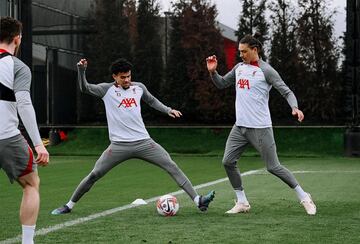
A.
x: 243, y: 82
x: 128, y: 103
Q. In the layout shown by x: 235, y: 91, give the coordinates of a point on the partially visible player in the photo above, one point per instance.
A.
x: 128, y: 135
x: 253, y: 79
x: 16, y: 157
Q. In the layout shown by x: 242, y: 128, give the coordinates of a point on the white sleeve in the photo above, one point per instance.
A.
x: 27, y: 114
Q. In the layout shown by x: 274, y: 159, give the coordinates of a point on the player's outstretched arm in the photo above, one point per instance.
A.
x: 218, y: 80
x: 91, y: 89
x: 153, y: 101
x: 273, y: 78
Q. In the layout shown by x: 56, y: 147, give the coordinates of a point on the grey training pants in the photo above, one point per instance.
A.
x: 262, y: 140
x: 146, y: 149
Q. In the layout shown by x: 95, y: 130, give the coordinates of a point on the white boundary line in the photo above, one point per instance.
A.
x: 264, y: 172
x: 326, y: 171
x: 53, y: 228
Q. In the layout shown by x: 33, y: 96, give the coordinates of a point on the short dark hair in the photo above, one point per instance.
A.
x: 9, y: 29
x: 120, y: 65
x: 252, y: 41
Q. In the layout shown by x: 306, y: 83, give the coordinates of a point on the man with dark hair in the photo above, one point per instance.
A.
x: 128, y: 136
x: 120, y: 65
x: 16, y: 157
x: 253, y: 79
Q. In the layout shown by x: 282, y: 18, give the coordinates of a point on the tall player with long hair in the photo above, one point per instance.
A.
x: 253, y: 78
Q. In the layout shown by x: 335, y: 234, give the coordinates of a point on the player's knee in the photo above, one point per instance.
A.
x: 35, y: 183
x: 30, y: 180
x: 94, y: 176
x: 228, y: 163
x: 274, y: 169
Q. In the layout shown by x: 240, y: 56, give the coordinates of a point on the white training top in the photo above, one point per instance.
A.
x: 15, y: 82
x: 123, y: 113
x: 253, y: 83
x: 123, y: 107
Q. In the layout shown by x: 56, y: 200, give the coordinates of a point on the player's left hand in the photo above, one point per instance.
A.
x: 175, y: 113
x: 298, y: 113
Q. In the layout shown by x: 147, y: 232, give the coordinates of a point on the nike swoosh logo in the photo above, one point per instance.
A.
x: 168, y: 206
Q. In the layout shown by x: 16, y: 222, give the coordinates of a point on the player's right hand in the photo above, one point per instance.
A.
x: 298, y: 113
x: 42, y: 155
x: 82, y: 63
x: 175, y: 113
x: 211, y: 63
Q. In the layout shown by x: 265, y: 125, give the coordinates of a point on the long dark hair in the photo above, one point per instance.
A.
x: 252, y: 41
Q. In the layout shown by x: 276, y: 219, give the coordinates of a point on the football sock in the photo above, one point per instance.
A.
x: 300, y: 193
x: 28, y: 232
x: 196, y: 200
x: 70, y: 204
x: 241, y: 197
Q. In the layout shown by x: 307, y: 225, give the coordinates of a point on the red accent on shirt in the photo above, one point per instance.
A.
x: 28, y: 169
x: 255, y: 63
x: 4, y: 51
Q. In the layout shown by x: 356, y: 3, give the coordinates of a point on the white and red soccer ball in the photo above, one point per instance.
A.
x: 167, y: 205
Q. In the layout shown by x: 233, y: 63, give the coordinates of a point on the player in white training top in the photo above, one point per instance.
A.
x: 128, y: 135
x: 253, y: 79
x: 16, y: 157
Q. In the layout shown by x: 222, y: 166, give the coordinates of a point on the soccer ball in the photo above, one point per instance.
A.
x: 167, y: 205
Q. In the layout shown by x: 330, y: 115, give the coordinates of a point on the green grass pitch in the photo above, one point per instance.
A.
x: 275, y: 217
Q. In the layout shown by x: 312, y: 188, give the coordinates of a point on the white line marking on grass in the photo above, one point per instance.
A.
x: 264, y: 172
x: 53, y: 228
x: 326, y: 171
